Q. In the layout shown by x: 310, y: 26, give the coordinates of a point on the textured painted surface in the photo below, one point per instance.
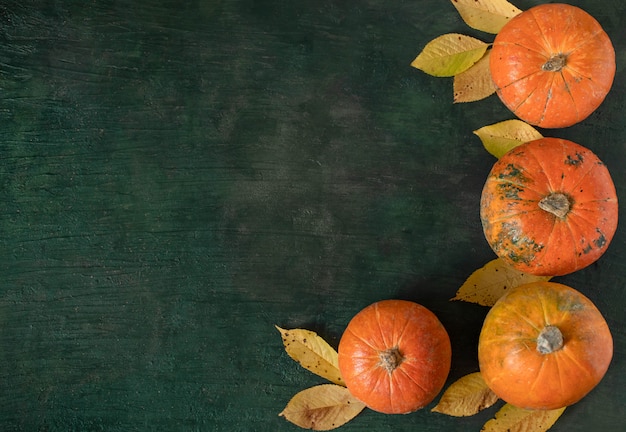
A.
x: 178, y: 177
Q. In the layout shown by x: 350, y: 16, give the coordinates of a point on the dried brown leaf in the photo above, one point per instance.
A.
x: 486, y: 15
x: 475, y: 83
x: 466, y: 396
x: 512, y: 419
x: 312, y: 352
x: 322, y: 407
x: 487, y: 284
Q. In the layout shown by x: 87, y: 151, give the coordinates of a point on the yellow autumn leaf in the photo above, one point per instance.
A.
x: 475, y: 83
x: 466, y: 396
x: 323, y: 407
x: 486, y: 15
x: 312, y: 352
x: 487, y: 284
x: 449, y: 54
x: 512, y: 419
x: 501, y: 137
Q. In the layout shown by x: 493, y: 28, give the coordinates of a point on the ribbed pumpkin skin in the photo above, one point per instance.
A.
x: 519, y: 374
x: 548, y: 98
x: 532, y: 239
x: 421, y: 340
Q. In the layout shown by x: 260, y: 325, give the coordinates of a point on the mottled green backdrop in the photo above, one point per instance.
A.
x: 177, y: 177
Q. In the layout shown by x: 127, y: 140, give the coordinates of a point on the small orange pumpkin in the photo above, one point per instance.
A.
x: 544, y: 345
x: 549, y: 207
x: 552, y: 65
x: 395, y: 356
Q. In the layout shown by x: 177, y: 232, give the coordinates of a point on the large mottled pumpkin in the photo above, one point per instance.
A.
x: 549, y: 207
x: 552, y: 65
x: 544, y: 345
x: 395, y: 356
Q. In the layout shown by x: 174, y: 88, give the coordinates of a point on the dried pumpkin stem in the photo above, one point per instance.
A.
x: 555, y: 63
x: 390, y: 359
x: 550, y: 339
x: 556, y: 203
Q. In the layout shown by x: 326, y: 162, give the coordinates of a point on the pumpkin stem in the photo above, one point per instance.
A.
x: 556, y: 203
x: 555, y: 63
x: 390, y: 359
x: 549, y: 340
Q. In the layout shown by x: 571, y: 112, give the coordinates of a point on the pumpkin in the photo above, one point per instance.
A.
x: 549, y: 207
x: 544, y: 345
x: 552, y: 65
x: 395, y: 356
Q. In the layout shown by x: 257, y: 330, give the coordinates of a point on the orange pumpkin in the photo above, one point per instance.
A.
x: 395, y: 356
x: 544, y: 345
x: 549, y: 207
x: 552, y: 65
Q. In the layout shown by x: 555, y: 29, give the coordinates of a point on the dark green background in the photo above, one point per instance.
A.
x: 177, y: 177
